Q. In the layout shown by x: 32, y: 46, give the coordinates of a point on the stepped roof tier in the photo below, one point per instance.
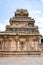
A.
x: 21, y: 24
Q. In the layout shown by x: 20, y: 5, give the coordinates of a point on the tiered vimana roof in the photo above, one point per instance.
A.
x: 22, y: 24
x: 21, y: 37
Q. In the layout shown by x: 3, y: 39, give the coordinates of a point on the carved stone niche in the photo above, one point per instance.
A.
x: 22, y: 45
x: 31, y: 44
x: 13, y: 45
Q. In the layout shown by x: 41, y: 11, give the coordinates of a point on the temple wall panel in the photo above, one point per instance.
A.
x: 17, y: 42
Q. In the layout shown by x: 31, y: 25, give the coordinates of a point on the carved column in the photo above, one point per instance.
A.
x: 28, y: 46
x: 18, y: 45
x: 3, y: 45
x: 36, y: 45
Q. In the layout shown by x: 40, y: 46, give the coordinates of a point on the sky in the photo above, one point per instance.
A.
x: 34, y: 7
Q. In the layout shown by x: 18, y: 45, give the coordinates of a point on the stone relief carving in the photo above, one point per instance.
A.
x: 22, y: 45
x: 37, y: 46
x: 33, y: 45
x: 3, y: 45
x: 13, y: 45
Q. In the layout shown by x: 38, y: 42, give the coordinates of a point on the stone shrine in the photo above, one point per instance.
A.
x: 21, y: 37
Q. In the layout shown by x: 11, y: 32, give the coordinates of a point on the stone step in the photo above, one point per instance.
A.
x: 19, y: 53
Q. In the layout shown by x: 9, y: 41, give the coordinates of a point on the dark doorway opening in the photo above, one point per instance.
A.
x: 41, y: 40
x: 22, y: 45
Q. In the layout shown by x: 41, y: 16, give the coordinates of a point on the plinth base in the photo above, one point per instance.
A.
x: 19, y: 53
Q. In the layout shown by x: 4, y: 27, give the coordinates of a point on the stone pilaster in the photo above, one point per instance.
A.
x: 18, y: 46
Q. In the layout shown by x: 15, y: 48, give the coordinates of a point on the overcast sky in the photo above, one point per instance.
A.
x: 34, y: 7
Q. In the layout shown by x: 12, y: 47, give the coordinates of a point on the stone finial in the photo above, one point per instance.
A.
x: 21, y: 12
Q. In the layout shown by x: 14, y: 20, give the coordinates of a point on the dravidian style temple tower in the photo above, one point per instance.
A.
x: 21, y: 37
